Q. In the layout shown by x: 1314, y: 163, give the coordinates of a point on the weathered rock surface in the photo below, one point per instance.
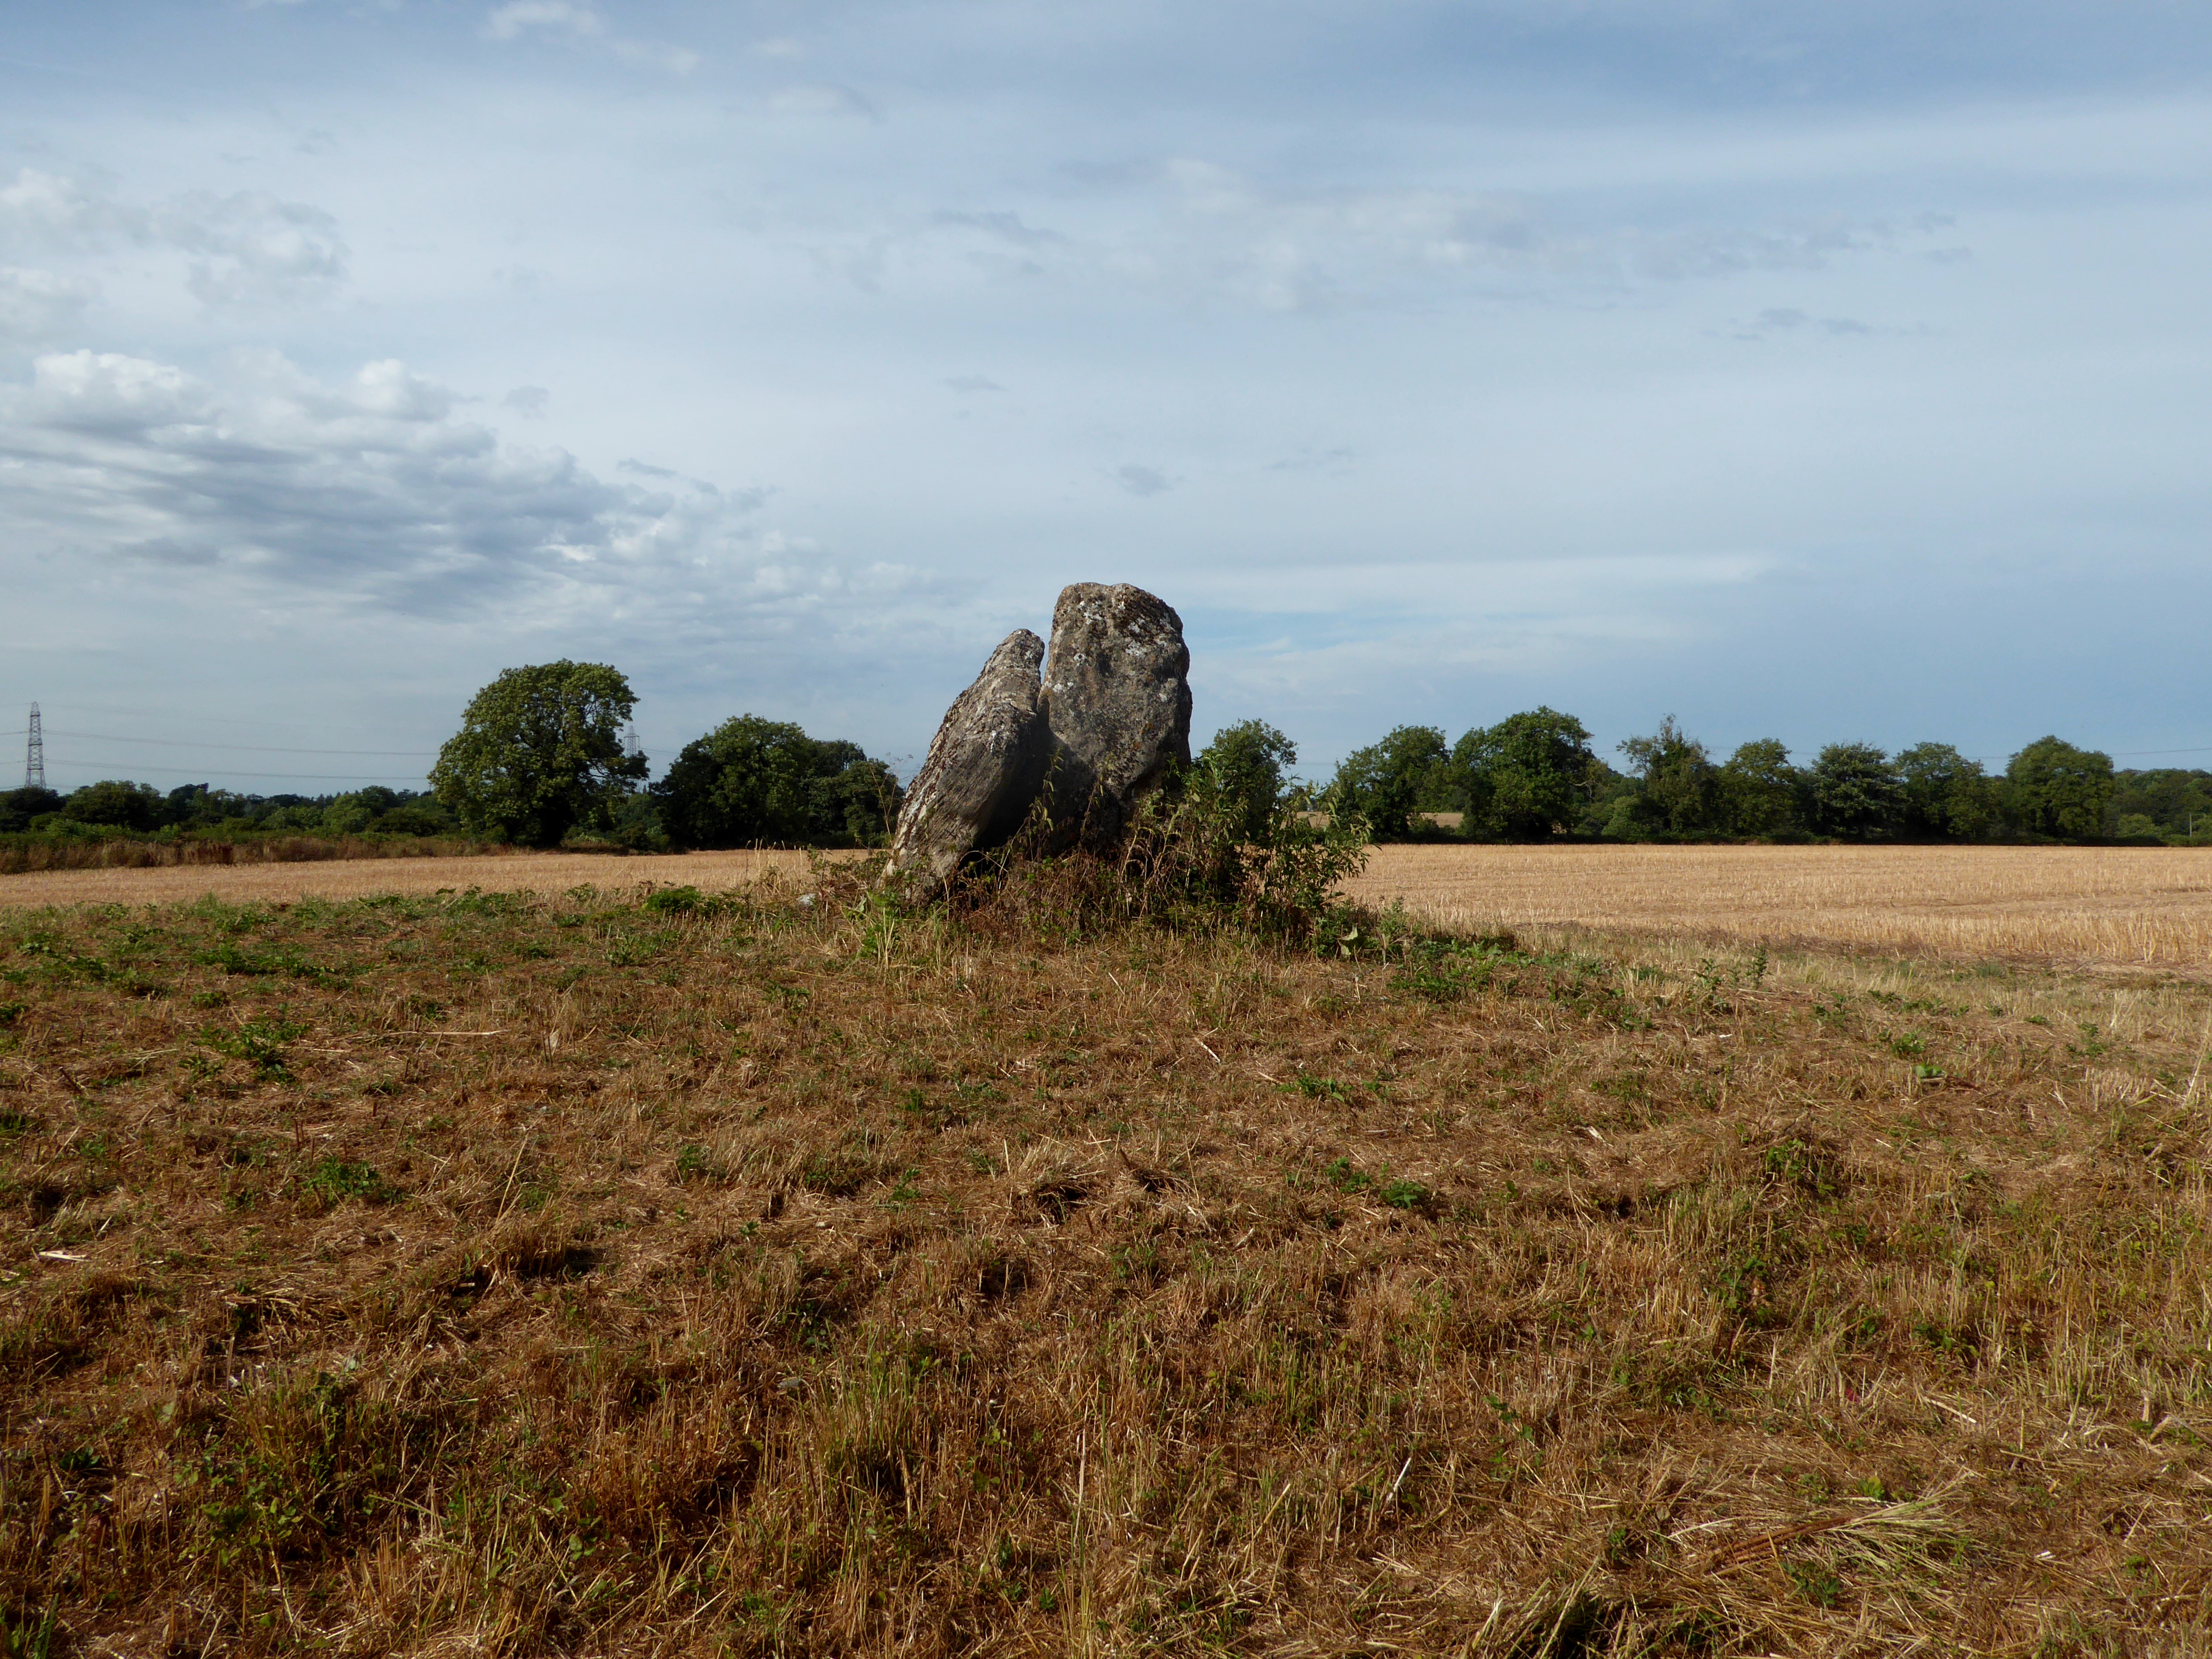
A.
x: 1117, y: 698
x: 984, y: 770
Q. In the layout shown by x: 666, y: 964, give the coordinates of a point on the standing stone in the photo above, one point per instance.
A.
x: 1118, y: 702
x: 986, y: 767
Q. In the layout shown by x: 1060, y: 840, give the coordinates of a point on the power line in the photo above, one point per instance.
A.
x: 246, y: 748
x: 303, y: 777
x: 259, y: 722
x: 2117, y: 754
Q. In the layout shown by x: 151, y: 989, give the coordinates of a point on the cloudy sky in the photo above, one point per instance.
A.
x: 1804, y: 369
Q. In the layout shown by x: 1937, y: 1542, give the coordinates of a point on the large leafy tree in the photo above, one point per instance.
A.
x: 759, y: 783
x: 2056, y: 789
x: 126, y: 806
x: 1678, y: 786
x: 1761, y: 793
x: 19, y: 806
x: 1856, y: 792
x: 2178, y: 802
x: 540, y: 753
x: 1527, y: 777
x: 1246, y: 766
x: 1387, y: 782
x: 1943, y: 795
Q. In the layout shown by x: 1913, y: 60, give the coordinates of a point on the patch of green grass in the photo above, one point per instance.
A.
x: 1345, y: 1177
x: 259, y: 1041
x: 333, y: 1181
x: 1403, y: 1194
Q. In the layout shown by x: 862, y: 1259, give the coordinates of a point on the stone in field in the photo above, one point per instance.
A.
x: 1118, y: 702
x: 985, y: 769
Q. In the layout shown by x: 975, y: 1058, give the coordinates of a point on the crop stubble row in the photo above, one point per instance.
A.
x: 2145, y: 906
x: 2121, y: 906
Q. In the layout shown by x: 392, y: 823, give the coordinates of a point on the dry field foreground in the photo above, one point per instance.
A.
x: 2116, y: 906
x: 2113, y: 905
x: 470, y: 1273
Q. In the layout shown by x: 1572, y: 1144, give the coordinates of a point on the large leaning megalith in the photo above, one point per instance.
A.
x: 1091, y: 737
x: 985, y: 769
x: 1117, y: 697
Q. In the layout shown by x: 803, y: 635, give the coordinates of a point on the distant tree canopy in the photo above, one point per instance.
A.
x: 1247, y: 765
x: 2172, y: 801
x: 1856, y: 793
x: 1761, y: 794
x: 1530, y: 775
x: 1388, y: 782
x: 20, y: 807
x: 540, y: 752
x: 1679, y: 787
x: 2060, y: 790
x: 101, y: 809
x: 752, y: 782
x: 127, y: 806
x: 540, y: 755
x: 1943, y: 795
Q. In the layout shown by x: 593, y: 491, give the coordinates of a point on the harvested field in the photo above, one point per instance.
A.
x: 2115, y: 905
x: 22, y: 854
x: 2120, y: 906
x: 508, y: 872
x: 462, y: 1272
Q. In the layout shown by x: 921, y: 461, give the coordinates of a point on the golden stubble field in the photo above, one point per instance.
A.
x: 550, y: 874
x: 2149, y: 906
x: 2115, y: 905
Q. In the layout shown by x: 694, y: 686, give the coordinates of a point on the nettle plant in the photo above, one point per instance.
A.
x: 1195, y: 856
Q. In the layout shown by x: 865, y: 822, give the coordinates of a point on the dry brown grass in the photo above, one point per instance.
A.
x: 2111, y: 905
x: 445, y: 1275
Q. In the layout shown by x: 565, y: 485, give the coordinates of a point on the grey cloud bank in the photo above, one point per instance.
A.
x: 1825, y: 371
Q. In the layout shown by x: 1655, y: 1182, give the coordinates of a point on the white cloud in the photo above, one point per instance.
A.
x: 248, y: 248
x: 820, y: 101
x: 52, y: 212
x: 1139, y: 480
x: 372, y: 493
x: 253, y: 247
x: 1788, y: 318
x: 507, y: 22
x: 39, y: 305
x: 566, y: 19
x: 676, y: 60
x: 1188, y: 228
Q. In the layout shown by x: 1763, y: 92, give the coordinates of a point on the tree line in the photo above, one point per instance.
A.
x: 1535, y: 775
x: 102, y: 810
x: 541, y: 759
